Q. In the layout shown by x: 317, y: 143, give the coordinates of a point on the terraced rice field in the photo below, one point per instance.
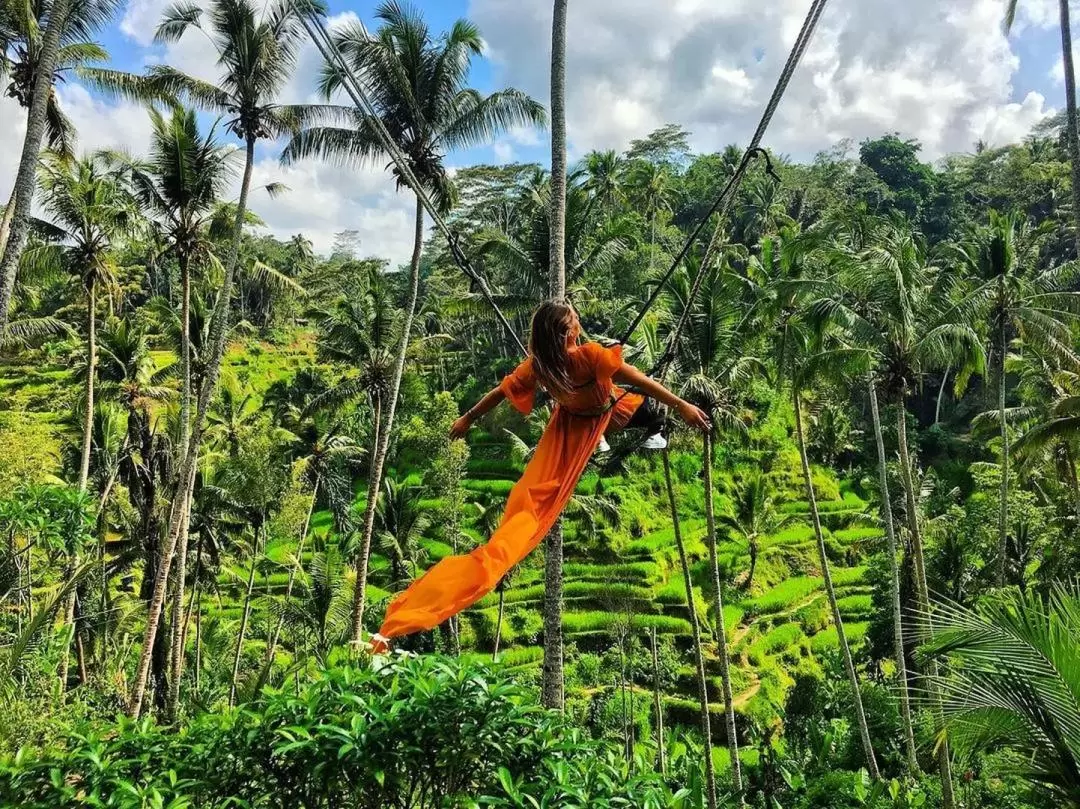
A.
x: 625, y: 579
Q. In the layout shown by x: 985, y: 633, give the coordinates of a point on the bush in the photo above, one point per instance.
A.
x: 419, y: 732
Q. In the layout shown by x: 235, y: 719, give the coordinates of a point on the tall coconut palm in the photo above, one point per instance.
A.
x: 418, y: 88
x: 90, y: 206
x: 21, y: 41
x: 713, y: 364
x: 688, y: 583
x: 86, y: 202
x: 1072, y: 119
x: 790, y: 262
x: 255, y: 57
x: 323, y: 461
x: 1016, y: 683
x: 17, y: 212
x: 179, y: 185
x: 1020, y: 298
x: 917, y: 321
x: 552, y: 682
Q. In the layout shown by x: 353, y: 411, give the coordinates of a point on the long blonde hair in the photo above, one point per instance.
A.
x: 548, y: 336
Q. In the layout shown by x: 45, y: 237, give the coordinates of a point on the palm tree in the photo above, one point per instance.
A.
x: 419, y: 90
x: 712, y: 363
x: 911, y: 317
x: 1020, y: 298
x: 552, y: 683
x: 21, y: 48
x: 322, y: 610
x: 703, y: 691
x: 1072, y: 119
x: 37, y: 115
x: 401, y: 524
x: 1016, y: 683
x: 254, y: 482
x: 256, y: 55
x: 92, y: 209
x: 753, y: 515
x: 789, y: 260
x: 324, y: 461
x: 179, y: 185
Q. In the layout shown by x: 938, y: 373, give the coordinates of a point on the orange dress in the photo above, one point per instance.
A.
x: 579, y: 421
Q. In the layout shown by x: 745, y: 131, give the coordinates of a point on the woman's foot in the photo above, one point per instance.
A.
x: 603, y: 446
x: 379, y: 644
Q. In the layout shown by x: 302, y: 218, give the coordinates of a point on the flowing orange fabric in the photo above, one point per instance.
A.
x: 579, y: 421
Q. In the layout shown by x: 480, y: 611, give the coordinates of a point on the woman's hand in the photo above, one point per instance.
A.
x: 461, y: 427
x: 694, y: 416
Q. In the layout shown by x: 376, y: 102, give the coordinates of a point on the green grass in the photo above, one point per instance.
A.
x: 849, y: 536
x: 777, y: 640
x: 597, y: 621
x: 785, y: 594
x: 855, y: 607
x: 665, y: 539
x: 849, y: 501
x: 499, y: 488
x: 829, y: 641
x: 578, y: 590
x: 795, y: 535
x: 634, y: 572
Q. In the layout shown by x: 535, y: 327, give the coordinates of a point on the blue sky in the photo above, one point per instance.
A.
x: 942, y: 72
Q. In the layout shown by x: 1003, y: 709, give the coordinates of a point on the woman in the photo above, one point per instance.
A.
x: 582, y: 380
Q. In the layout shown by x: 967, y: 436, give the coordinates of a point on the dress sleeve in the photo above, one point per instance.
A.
x: 519, y: 387
x: 606, y: 360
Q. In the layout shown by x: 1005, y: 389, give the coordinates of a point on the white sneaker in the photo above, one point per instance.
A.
x: 603, y: 446
x: 655, y: 442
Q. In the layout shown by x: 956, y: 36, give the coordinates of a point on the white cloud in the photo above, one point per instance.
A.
x: 323, y: 199
x: 940, y: 72
x: 504, y: 152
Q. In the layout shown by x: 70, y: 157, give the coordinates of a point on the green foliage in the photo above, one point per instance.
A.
x: 413, y: 733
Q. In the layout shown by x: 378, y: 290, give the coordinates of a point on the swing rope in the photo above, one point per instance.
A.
x: 727, y: 195
x: 332, y: 55
x: 316, y: 28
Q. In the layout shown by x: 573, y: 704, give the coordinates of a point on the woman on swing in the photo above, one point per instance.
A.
x: 582, y: 379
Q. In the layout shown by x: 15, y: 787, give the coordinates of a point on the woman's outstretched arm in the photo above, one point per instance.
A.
x: 492, y: 399
x: 694, y: 416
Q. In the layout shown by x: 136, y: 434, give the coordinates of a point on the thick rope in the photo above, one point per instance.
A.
x: 723, y: 202
x: 330, y: 52
x: 333, y: 56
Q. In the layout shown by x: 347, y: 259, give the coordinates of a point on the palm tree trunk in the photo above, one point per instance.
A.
x: 894, y: 570
x: 5, y: 223
x: 25, y: 177
x: 246, y: 615
x: 499, y: 622
x: 721, y: 630
x: 703, y: 692
x: 1003, y: 511
x: 940, y: 397
x: 552, y: 683
x: 378, y: 460
x: 1074, y: 482
x: 830, y: 593
x: 185, y: 351
x: 91, y: 371
x: 1072, y: 120
x: 557, y: 227
x: 181, y: 504
x: 271, y: 650
x: 179, y: 626
x: 948, y: 796
x: 658, y: 705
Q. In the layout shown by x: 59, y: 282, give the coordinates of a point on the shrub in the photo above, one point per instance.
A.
x: 419, y: 732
